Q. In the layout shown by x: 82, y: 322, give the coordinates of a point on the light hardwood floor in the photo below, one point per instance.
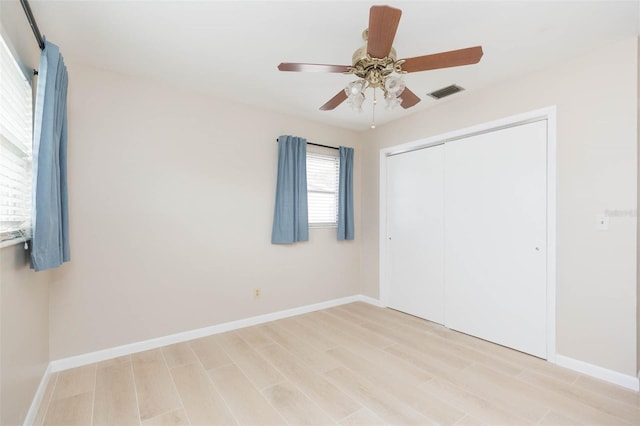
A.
x: 353, y: 365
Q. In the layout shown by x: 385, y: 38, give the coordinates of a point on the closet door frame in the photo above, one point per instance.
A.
x: 548, y: 114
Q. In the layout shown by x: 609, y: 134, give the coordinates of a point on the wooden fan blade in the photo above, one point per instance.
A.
x: 294, y: 66
x: 453, y: 58
x: 409, y: 98
x: 383, y: 24
x: 339, y: 98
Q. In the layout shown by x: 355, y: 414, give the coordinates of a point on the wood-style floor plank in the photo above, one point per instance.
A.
x: 70, y: 411
x: 202, y: 403
x: 172, y: 418
x: 295, y: 407
x: 433, y: 364
x: 154, y: 386
x: 248, y: 406
x: 607, y: 389
x: 255, y: 336
x: 470, y: 421
x: 179, y: 354
x: 75, y: 381
x: 617, y: 409
x: 377, y: 340
x: 115, y: 396
x: 349, y: 338
x: 553, y: 419
x: 481, y: 407
x: 331, y: 399
x: 376, y: 398
x: 354, y: 364
x: 424, y: 340
x: 309, y: 335
x: 401, y: 384
x: 209, y: 352
x: 362, y: 417
x: 511, y: 394
x: 310, y: 356
x: 257, y: 369
x: 511, y: 388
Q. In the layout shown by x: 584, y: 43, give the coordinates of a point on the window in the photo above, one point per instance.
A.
x: 322, y: 189
x: 16, y: 115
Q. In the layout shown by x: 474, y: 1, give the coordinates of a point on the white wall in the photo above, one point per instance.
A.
x: 597, y: 113
x: 171, y: 203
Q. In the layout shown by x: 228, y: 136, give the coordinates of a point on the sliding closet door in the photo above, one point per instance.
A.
x: 495, y: 236
x: 415, y: 232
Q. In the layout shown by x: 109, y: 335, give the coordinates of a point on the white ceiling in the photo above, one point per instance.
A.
x: 232, y: 48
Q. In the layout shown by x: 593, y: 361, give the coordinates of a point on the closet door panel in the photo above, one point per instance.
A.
x: 415, y: 233
x: 495, y: 236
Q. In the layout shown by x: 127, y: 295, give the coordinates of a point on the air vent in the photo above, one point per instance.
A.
x: 445, y: 91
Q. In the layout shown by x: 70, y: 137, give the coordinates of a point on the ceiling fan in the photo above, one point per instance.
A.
x: 376, y: 62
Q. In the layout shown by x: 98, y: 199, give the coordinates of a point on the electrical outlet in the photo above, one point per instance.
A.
x: 256, y: 292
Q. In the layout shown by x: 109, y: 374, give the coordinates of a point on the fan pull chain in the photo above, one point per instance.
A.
x: 373, y: 113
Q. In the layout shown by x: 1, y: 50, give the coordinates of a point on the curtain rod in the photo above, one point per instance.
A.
x: 32, y: 22
x: 317, y: 144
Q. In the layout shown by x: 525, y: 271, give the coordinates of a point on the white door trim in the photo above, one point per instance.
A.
x: 548, y: 114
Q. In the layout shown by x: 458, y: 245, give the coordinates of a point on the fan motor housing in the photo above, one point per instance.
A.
x: 374, y: 70
x: 362, y: 55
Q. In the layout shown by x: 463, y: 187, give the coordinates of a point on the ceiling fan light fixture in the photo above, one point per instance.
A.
x: 355, y: 88
x: 394, y: 85
x: 356, y: 101
x: 392, y: 102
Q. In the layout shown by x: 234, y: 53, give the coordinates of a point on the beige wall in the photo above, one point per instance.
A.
x: 638, y: 228
x: 597, y: 114
x: 171, y: 206
x: 24, y: 294
x: 24, y: 333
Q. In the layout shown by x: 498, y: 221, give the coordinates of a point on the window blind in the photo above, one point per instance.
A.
x: 16, y: 115
x: 322, y: 189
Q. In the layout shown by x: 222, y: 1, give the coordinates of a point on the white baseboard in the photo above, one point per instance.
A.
x: 37, y: 399
x: 105, y: 354
x: 624, y: 380
x: 370, y: 300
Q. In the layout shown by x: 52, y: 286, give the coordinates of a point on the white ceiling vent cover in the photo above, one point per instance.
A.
x: 445, y: 91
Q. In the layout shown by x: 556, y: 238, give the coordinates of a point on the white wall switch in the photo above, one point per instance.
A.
x: 602, y: 222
